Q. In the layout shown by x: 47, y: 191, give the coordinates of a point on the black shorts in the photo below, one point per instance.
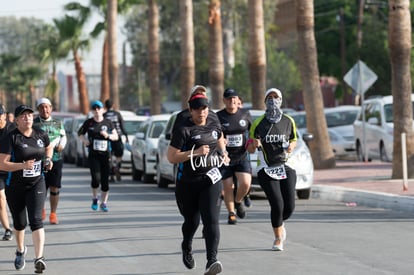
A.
x: 242, y: 166
x: 54, y: 177
x: 117, y: 148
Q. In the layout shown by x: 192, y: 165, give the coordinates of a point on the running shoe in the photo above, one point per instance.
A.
x: 232, y: 218
x: 8, y: 235
x: 53, y: 218
x: 241, y: 212
x: 104, y: 207
x: 188, y: 258
x: 94, y: 205
x: 277, y: 245
x: 213, y: 268
x: 39, y: 265
x: 20, y: 261
x: 247, y: 201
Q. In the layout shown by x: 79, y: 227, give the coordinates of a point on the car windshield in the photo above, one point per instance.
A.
x: 131, y: 126
x: 156, y: 129
x: 341, y: 118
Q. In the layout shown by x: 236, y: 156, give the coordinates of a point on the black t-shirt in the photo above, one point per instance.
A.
x: 236, y: 131
x: 97, y: 142
x: 190, y: 136
x: 22, y: 148
x: 272, y: 137
x: 117, y: 121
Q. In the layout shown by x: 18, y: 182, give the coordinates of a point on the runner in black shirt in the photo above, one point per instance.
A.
x: 25, y: 152
x: 196, y: 148
x: 235, y: 123
x: 100, y: 131
x: 117, y: 146
x: 274, y: 134
x: 5, y: 127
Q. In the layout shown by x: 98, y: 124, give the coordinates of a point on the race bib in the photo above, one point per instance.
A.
x: 278, y: 172
x: 234, y: 140
x: 36, y: 171
x: 214, y: 175
x: 100, y: 145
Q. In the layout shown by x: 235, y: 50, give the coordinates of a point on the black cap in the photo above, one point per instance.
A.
x: 2, y: 109
x: 229, y: 92
x: 22, y: 108
x: 198, y: 101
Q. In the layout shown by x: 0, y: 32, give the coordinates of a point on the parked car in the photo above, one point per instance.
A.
x: 300, y: 159
x: 144, y: 147
x: 132, y: 123
x: 70, y: 153
x: 166, y: 171
x: 340, y: 122
x: 378, y: 127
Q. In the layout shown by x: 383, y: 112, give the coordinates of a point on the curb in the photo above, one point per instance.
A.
x: 365, y: 198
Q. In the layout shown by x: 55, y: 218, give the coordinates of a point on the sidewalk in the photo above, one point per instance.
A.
x: 368, y: 184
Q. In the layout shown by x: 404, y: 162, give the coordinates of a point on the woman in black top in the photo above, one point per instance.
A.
x: 274, y: 135
x: 26, y: 152
x: 99, y: 131
x: 196, y: 148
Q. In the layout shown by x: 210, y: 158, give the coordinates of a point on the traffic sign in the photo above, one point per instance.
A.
x: 360, y: 78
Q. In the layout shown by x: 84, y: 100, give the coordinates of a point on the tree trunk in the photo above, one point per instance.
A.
x: 399, y: 39
x: 215, y: 51
x: 80, y: 78
x: 257, y: 53
x: 187, y: 73
x: 321, y: 149
x: 154, y: 56
x: 113, y: 62
x: 105, y: 94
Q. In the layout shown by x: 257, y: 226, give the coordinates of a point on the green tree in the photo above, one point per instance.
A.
x: 70, y: 30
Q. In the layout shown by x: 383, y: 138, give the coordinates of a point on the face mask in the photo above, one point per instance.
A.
x: 273, y: 103
x: 273, y: 111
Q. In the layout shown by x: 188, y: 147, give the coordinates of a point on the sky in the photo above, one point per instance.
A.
x: 49, y: 9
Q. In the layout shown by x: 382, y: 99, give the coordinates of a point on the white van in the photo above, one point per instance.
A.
x: 379, y: 128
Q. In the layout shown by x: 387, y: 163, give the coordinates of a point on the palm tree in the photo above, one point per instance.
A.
x: 187, y: 72
x: 321, y: 150
x: 257, y: 53
x: 112, y: 47
x: 399, y: 39
x: 70, y: 30
x: 51, y: 49
x: 215, y: 50
x: 154, y: 56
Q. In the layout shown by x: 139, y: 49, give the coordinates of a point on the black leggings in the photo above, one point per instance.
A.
x: 280, y: 194
x: 99, y: 167
x: 200, y: 198
x: 21, y: 197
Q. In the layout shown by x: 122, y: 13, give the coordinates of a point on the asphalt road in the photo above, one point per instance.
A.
x: 141, y: 234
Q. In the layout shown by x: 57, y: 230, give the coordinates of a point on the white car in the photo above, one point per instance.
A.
x: 340, y: 122
x: 300, y: 160
x: 132, y: 123
x: 166, y: 171
x: 144, y: 147
x: 378, y: 128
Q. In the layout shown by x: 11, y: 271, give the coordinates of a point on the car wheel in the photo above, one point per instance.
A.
x: 360, y: 153
x: 161, y: 182
x: 383, y: 154
x: 146, y: 178
x: 304, y: 194
x: 136, y: 174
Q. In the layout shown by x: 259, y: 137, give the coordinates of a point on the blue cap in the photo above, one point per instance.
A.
x: 96, y: 103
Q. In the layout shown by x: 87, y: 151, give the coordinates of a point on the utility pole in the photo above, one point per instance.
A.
x: 343, y: 47
x: 360, y: 17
